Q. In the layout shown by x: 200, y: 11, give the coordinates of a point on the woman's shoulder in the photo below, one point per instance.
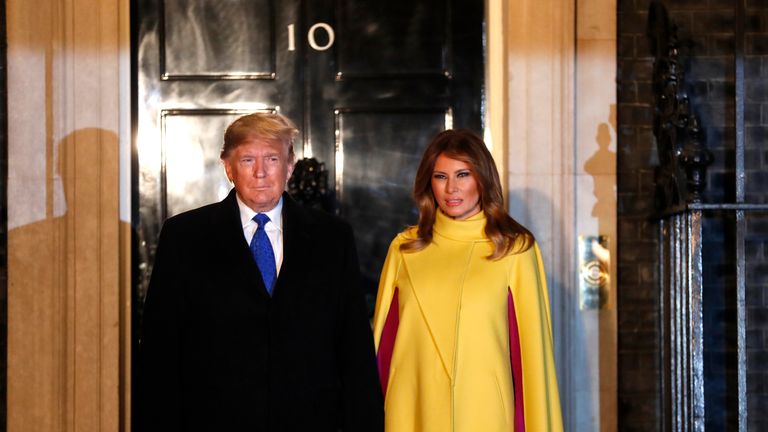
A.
x: 410, y: 233
x: 523, y: 246
x: 404, y: 236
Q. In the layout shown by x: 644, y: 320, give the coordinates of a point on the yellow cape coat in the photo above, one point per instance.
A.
x: 449, y: 366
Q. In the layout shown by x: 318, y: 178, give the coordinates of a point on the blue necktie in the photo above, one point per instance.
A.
x: 262, y: 252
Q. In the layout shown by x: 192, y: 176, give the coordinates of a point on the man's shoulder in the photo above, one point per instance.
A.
x: 310, y: 216
x: 196, y: 218
x: 323, y: 220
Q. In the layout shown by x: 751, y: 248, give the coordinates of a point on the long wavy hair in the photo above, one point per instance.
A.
x: 507, y: 235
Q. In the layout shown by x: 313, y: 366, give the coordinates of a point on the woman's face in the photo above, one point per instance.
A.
x: 455, y: 188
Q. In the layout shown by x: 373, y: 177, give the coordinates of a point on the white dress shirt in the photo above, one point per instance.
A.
x: 274, y: 228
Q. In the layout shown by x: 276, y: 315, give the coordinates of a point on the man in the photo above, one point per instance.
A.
x: 254, y: 319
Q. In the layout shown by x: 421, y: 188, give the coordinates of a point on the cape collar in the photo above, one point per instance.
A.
x: 471, y: 229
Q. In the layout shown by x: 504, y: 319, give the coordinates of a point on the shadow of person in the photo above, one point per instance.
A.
x: 61, y: 270
x: 40, y: 251
x: 601, y: 166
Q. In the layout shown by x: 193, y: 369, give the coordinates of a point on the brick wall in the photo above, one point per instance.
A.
x: 756, y: 119
x: 637, y: 298
x: 706, y: 32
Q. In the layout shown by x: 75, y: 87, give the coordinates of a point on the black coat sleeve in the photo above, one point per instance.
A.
x: 362, y: 400
x: 158, y: 387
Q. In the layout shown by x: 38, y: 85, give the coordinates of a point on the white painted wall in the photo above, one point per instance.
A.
x: 557, y: 128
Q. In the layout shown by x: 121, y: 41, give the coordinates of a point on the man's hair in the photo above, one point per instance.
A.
x: 261, y: 125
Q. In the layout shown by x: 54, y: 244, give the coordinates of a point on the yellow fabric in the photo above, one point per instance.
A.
x: 450, y: 368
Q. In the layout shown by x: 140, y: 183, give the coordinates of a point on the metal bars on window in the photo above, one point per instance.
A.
x: 679, y: 185
x: 681, y: 312
x: 741, y: 289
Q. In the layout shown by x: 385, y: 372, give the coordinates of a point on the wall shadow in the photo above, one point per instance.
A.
x: 563, y: 303
x: 43, y: 270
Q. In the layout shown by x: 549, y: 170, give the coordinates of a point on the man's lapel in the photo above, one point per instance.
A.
x: 235, y: 248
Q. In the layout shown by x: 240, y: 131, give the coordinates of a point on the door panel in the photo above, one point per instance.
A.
x: 374, y: 181
x: 367, y: 83
x: 378, y: 39
x: 233, y: 39
x: 191, y: 170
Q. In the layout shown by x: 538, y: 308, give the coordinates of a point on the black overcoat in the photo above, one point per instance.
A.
x: 218, y: 353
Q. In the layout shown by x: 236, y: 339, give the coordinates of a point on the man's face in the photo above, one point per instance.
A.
x: 259, y: 169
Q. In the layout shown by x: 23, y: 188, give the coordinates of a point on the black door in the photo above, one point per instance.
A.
x: 367, y: 82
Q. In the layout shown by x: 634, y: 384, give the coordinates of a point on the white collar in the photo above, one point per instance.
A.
x: 247, y: 213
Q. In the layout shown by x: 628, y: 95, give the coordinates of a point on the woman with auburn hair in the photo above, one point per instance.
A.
x: 462, y: 327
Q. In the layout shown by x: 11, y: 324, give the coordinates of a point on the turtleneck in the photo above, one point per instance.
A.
x: 470, y: 229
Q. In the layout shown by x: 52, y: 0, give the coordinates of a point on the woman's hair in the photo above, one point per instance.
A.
x: 259, y: 125
x: 507, y: 235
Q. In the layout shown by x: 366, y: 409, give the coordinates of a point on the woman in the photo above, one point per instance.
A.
x: 462, y: 327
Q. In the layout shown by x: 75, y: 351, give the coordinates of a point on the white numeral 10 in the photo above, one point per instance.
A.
x: 311, y: 37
